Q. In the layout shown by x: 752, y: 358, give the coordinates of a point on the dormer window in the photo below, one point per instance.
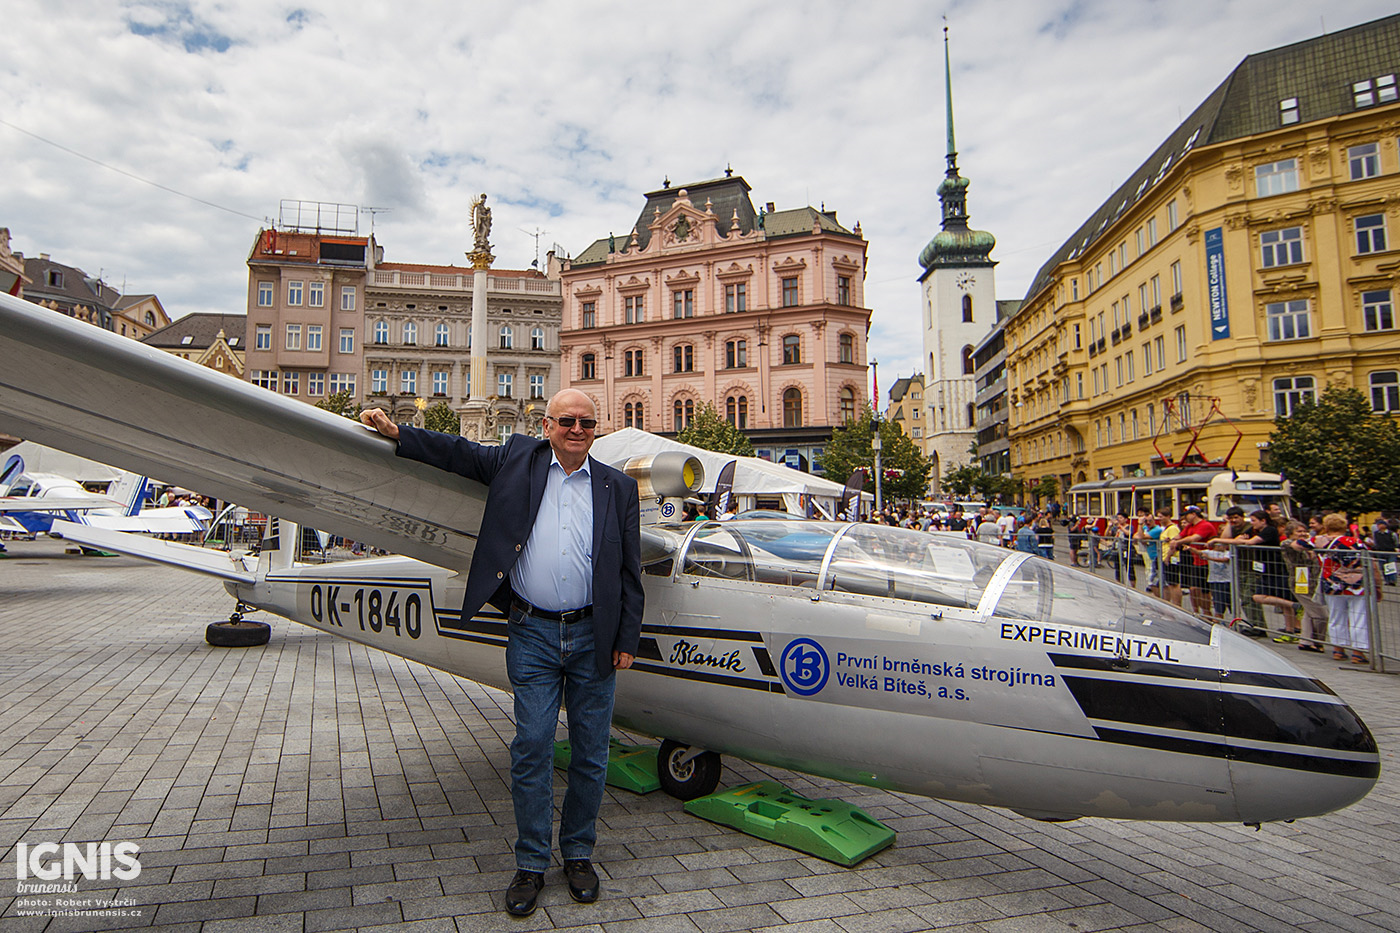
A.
x: 1288, y: 111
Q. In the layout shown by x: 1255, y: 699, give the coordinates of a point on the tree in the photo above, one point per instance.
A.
x: 963, y: 480
x: 441, y: 417
x: 905, y: 467
x: 708, y: 431
x: 341, y: 403
x: 1339, y: 455
x: 1046, y: 488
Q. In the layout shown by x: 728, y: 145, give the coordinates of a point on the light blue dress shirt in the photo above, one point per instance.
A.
x: 555, y: 569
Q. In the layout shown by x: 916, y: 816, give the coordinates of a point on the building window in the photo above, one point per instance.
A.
x: 967, y: 309
x: 1370, y: 233
x: 1364, y: 161
x: 343, y: 382
x: 293, y: 337
x: 294, y: 294
x: 507, y: 337
x: 1385, y: 391
x: 968, y: 365
x: 846, y: 348
x: 736, y: 354
x: 1287, y: 320
x: 589, y: 367
x: 1078, y: 337
x: 408, y: 382
x: 379, y: 381
x: 1176, y: 282
x: 1151, y: 419
x: 792, y: 349
x: 792, y: 408
x: 1378, y: 310
x: 682, y: 413
x: 1172, y: 218
x: 684, y: 358
x: 1147, y: 359
x: 1151, y: 232
x: 736, y: 298
x: 440, y: 335
x: 632, y: 415
x: 410, y: 334
x: 315, y: 384
x: 347, y: 298
x: 1181, y: 344
x: 1160, y: 345
x: 1079, y: 384
x: 1367, y: 93
x: 1281, y: 247
x: 313, y: 337
x: 1128, y: 365
x: 439, y: 383
x: 1288, y: 111
x: 381, y: 332
x: 843, y: 290
x: 683, y: 303
x: 536, y: 385
x: 291, y: 383
x: 1276, y: 178
x: 1118, y: 367
x: 262, y: 337
x: 265, y: 378
x: 264, y: 294
x: 316, y: 295
x: 590, y: 315
x: 1291, y: 392
x: 537, y: 338
x: 1073, y: 289
x: 347, y: 340
x: 736, y: 411
x: 634, y: 309
x: 504, y: 381
x: 633, y: 363
x: 790, y: 297
x: 848, y: 404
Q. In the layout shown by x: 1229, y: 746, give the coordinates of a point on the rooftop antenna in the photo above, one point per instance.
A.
x: 536, y: 233
x: 371, y: 211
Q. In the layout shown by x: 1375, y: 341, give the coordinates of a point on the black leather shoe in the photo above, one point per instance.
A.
x: 583, y: 880
x: 520, y: 896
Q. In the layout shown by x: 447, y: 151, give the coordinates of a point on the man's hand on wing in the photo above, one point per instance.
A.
x: 381, y: 422
x: 622, y: 660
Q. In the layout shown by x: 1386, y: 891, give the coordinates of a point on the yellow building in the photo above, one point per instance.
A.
x: 1253, y: 258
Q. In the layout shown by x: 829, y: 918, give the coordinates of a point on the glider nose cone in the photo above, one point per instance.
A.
x: 1295, y: 748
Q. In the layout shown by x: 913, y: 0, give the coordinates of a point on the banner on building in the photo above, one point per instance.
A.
x: 1215, y: 284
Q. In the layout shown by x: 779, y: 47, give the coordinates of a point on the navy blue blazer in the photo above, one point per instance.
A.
x: 516, y: 473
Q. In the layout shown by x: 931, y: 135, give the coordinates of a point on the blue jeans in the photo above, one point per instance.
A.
x: 546, y: 662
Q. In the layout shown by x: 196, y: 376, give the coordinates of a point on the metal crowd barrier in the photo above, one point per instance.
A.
x: 1228, y: 594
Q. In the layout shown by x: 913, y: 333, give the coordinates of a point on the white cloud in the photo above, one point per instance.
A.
x: 565, y: 113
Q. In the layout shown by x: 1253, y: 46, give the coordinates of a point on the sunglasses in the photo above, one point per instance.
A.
x: 568, y: 421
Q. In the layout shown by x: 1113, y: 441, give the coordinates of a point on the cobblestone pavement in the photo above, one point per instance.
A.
x: 314, y: 784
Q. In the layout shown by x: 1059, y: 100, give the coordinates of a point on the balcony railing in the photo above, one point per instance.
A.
x: 1177, y: 302
x: 462, y: 282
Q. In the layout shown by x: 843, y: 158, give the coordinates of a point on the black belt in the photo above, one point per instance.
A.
x: 568, y: 616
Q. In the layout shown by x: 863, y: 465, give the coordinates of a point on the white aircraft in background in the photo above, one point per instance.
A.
x: 876, y: 655
x: 32, y: 501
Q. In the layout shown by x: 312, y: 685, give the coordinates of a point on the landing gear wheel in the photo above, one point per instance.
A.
x: 238, y: 632
x: 686, y: 780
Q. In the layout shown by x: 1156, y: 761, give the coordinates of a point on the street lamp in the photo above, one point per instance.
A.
x: 875, y: 446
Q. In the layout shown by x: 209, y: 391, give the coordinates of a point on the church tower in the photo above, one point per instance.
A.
x: 959, y: 308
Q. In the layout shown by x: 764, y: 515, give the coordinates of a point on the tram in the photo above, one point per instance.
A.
x: 1213, y: 490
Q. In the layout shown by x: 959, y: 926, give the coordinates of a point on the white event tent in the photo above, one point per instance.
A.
x: 753, y: 478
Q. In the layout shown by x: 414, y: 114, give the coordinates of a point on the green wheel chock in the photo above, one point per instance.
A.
x: 630, y: 767
x: 828, y: 829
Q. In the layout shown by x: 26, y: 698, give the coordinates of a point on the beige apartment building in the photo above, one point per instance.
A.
x: 761, y: 313
x: 1250, y: 262
x: 418, y: 342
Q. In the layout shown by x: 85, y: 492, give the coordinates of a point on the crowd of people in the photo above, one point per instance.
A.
x: 1314, y: 573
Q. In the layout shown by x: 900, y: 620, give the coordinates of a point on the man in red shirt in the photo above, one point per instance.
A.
x: 1195, y: 531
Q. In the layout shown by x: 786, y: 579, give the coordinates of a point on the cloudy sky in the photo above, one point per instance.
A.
x: 566, y: 112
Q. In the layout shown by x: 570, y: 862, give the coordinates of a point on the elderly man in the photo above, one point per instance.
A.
x: 560, y: 552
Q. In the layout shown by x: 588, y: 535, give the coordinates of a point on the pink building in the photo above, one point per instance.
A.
x: 760, y: 313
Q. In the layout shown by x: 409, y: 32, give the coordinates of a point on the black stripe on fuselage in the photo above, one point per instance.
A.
x: 686, y: 631
x: 725, y: 680
x: 1321, y: 764
x: 1182, y: 671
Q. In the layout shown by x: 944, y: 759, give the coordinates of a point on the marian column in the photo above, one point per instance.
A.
x: 476, y: 420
